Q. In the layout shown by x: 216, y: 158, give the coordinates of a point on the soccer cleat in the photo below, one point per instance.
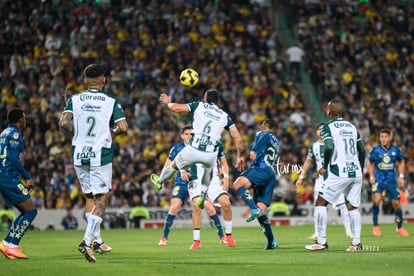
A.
x: 223, y: 240
x: 101, y: 248
x: 272, y: 245
x: 230, y: 241
x: 317, y: 246
x: 254, y: 213
x: 354, y: 248
x: 377, y: 231
x: 86, y: 250
x: 196, y: 245
x: 163, y: 241
x: 4, y: 249
x: 402, y: 232
x: 154, y: 180
x: 200, y: 202
x: 313, y: 237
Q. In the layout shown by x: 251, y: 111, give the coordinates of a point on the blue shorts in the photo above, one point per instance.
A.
x: 181, y: 192
x: 13, y: 191
x: 393, y: 192
x: 263, y: 182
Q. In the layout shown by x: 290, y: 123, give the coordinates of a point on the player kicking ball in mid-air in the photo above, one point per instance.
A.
x: 209, y: 121
x: 180, y: 193
x: 261, y: 176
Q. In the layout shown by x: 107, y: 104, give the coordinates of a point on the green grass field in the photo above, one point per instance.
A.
x: 135, y: 252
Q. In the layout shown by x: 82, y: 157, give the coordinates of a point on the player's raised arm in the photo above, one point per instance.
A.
x: 174, y: 107
x: 235, y: 134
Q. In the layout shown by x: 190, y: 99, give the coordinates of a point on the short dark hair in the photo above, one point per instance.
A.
x: 271, y: 123
x: 14, y: 115
x: 212, y: 96
x: 386, y: 130
x: 93, y: 71
x: 184, y: 128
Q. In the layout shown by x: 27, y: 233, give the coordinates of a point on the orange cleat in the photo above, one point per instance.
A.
x: 163, y: 241
x: 196, y: 245
x: 402, y: 232
x: 4, y: 249
x: 16, y: 252
x: 377, y: 231
x: 230, y: 241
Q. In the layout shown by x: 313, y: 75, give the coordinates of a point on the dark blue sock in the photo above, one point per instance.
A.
x: 247, y: 197
x: 266, y: 227
x: 375, y: 213
x: 168, y: 223
x: 217, y: 224
x: 399, y: 218
x: 20, y: 226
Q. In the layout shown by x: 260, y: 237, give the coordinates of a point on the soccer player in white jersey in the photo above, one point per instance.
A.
x: 208, y: 123
x: 343, y: 161
x: 217, y: 194
x: 89, y: 116
x: 315, y: 155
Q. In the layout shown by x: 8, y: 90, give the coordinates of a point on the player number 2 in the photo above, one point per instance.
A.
x: 91, y: 122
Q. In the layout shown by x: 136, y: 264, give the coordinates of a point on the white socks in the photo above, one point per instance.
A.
x: 321, y: 215
x: 355, y: 226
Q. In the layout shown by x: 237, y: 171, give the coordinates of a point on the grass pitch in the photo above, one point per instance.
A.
x: 135, y: 252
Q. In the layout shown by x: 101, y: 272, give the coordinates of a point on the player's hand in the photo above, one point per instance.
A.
x: 372, y: 180
x: 185, y: 175
x: 240, y: 164
x: 165, y: 98
x: 322, y: 171
x: 29, y: 184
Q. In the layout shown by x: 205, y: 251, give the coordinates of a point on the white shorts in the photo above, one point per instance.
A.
x: 215, y: 189
x: 95, y: 180
x: 317, y: 188
x: 334, y: 186
x: 189, y: 156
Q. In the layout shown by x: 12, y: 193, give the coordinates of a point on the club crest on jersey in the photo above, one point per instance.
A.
x: 15, y: 136
x: 386, y: 159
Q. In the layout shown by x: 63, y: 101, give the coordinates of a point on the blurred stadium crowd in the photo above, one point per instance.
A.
x: 363, y: 54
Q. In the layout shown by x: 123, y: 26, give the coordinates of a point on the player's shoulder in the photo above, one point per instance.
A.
x: 395, y: 148
x: 13, y: 133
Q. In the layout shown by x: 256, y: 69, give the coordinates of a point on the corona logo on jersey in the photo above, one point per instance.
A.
x: 85, y: 97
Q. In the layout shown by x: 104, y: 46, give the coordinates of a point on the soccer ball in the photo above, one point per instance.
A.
x: 189, y: 77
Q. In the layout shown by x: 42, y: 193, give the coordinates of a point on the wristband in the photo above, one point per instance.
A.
x: 225, y: 175
x: 169, y: 105
x: 301, y: 176
x: 401, y: 175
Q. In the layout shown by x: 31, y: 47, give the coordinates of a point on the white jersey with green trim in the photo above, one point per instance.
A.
x: 93, y: 112
x: 208, y: 124
x: 344, y: 161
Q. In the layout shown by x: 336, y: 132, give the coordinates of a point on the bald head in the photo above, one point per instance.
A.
x: 335, y: 109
